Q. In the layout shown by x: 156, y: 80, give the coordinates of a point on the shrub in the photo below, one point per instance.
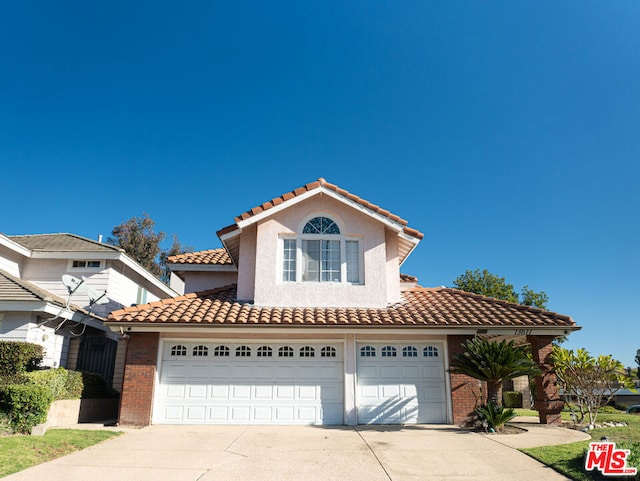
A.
x: 95, y: 387
x: 494, y: 417
x: 512, y: 399
x: 26, y: 405
x: 61, y: 383
x: 18, y: 357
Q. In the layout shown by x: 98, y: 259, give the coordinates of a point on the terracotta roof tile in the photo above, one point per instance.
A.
x: 437, y: 307
x: 408, y: 278
x: 213, y: 256
x: 315, y: 185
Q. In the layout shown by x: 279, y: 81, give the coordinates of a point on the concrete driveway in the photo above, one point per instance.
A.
x: 287, y: 453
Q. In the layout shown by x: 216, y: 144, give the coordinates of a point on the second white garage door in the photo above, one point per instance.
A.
x: 241, y: 383
x: 400, y: 383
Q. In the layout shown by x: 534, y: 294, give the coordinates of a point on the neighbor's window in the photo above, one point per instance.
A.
x: 321, y: 254
x: 86, y: 264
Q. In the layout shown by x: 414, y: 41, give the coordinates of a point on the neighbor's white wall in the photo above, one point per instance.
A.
x: 271, y: 291
x: 23, y: 326
x: 10, y: 261
x: 176, y: 283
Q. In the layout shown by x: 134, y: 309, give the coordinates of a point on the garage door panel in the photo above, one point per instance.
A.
x: 402, y: 389
x: 175, y: 391
x: 197, y: 391
x: 219, y: 389
x: 240, y: 392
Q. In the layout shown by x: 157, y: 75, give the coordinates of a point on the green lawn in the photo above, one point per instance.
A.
x: 568, y: 459
x: 21, y: 452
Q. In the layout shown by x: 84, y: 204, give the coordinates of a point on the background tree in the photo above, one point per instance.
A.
x: 638, y: 362
x: 491, y: 285
x: 175, y: 249
x: 138, y: 238
x: 591, y: 381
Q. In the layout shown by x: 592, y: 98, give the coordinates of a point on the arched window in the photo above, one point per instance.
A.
x: 321, y: 254
x: 321, y: 225
x: 200, y: 351
x: 328, y: 351
x: 307, y: 351
x: 285, y: 351
x: 221, y: 351
x: 389, y: 351
x: 409, y: 351
x: 367, y: 351
x: 265, y: 351
x: 178, y: 350
x: 430, y: 351
x: 243, y: 351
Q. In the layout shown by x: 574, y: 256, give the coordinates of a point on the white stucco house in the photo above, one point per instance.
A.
x: 303, y: 317
x: 35, y: 305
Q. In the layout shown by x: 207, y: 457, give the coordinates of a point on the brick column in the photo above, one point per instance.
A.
x: 136, y: 400
x: 466, y: 392
x: 547, y: 402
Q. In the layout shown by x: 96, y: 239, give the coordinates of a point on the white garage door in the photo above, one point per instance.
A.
x: 400, y: 383
x: 241, y: 383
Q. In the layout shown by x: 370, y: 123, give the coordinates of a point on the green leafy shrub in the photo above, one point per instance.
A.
x: 18, y: 357
x: 26, y: 405
x: 61, y: 383
x: 512, y: 399
x: 96, y: 387
x: 494, y: 417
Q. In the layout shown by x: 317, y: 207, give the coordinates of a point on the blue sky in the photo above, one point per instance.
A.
x: 507, y: 132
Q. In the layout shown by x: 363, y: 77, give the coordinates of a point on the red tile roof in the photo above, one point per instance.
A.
x: 408, y: 278
x: 436, y: 307
x: 212, y: 256
x: 316, y: 185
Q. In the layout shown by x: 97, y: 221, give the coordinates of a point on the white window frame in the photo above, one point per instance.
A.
x: 299, y: 259
x: 85, y: 267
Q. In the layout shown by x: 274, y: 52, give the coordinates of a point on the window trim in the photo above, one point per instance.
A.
x: 299, y: 256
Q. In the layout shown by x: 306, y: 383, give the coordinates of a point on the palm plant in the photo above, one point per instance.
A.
x: 493, y: 362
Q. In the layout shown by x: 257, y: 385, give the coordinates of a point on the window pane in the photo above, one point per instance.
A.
x: 311, y: 256
x: 331, y: 261
x: 289, y: 261
x: 321, y: 225
x: 352, y: 255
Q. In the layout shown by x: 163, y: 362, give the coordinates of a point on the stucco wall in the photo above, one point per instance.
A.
x: 202, y: 281
x: 270, y: 290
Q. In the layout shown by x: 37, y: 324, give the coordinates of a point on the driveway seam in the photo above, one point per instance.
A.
x: 374, y: 453
x: 227, y: 449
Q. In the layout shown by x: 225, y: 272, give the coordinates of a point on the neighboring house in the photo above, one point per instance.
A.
x: 303, y: 317
x: 35, y: 305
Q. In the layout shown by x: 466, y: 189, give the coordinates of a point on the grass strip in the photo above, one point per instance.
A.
x: 22, y: 452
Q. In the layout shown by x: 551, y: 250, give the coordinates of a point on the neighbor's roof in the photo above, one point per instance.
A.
x: 62, y: 242
x: 209, y: 257
x: 435, y: 307
x: 14, y: 289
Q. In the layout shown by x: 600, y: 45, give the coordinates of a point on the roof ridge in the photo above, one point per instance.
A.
x: 323, y: 183
x: 77, y: 236
x: 501, y: 301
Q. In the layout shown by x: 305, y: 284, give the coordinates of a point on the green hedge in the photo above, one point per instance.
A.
x: 17, y: 358
x: 61, y: 383
x: 95, y: 387
x: 512, y: 399
x: 26, y: 405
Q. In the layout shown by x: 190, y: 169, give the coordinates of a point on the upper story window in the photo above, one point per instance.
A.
x: 321, y: 254
x: 84, y: 264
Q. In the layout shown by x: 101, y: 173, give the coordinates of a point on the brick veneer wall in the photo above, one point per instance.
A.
x: 136, y: 399
x: 466, y: 392
x: 548, y: 402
